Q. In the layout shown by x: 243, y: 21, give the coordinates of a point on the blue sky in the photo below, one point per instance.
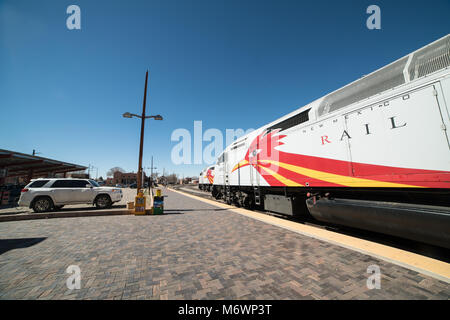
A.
x: 231, y: 64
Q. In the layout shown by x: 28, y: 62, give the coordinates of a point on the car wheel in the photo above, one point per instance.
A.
x: 103, y: 201
x: 42, y: 204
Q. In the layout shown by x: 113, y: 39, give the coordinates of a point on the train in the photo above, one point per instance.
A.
x: 206, y: 178
x: 372, y: 155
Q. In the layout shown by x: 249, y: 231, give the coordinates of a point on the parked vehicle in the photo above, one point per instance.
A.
x: 48, y: 194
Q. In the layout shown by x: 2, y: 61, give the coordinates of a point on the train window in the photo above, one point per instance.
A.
x: 220, y: 159
x: 291, y: 122
x: 238, y: 146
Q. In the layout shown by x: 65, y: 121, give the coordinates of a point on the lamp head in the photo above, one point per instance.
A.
x: 127, y: 115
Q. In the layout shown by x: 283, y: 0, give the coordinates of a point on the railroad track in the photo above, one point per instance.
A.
x: 404, y: 244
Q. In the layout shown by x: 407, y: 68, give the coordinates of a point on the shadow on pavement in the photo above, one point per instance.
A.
x: 166, y: 212
x: 10, y: 244
x: 121, y: 206
x: 195, y: 209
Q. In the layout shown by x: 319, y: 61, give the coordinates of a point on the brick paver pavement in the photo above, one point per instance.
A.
x: 195, y: 251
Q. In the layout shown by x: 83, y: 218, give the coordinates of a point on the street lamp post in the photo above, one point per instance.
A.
x: 141, y: 145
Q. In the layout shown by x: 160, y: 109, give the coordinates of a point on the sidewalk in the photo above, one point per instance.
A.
x: 196, y: 250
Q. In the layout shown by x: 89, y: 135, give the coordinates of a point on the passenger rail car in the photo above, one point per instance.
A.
x: 374, y: 154
x: 206, y: 179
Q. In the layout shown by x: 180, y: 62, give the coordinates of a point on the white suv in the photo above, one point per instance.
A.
x: 48, y: 194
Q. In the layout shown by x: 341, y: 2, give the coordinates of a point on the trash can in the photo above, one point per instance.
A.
x: 158, y: 203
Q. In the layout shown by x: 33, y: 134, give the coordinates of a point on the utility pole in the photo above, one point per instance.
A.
x: 151, y: 172
x: 89, y: 171
x: 151, y: 177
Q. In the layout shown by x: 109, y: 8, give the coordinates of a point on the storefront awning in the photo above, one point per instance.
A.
x: 16, y: 164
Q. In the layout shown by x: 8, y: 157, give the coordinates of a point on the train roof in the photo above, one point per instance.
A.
x: 420, y: 63
x: 429, y: 59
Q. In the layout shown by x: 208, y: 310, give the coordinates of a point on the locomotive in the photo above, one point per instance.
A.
x: 373, y: 155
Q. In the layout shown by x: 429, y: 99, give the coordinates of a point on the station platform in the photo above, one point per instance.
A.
x: 197, y: 250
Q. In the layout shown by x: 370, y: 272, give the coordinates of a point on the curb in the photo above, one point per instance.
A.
x: 70, y: 214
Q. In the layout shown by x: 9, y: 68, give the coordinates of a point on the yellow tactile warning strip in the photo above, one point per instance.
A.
x: 431, y: 267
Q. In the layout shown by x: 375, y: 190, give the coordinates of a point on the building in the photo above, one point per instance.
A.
x: 78, y: 175
x: 125, y: 178
x: 19, y: 168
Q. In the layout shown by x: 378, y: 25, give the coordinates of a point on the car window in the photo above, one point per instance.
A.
x: 62, y: 184
x: 38, y: 183
x: 79, y: 183
x: 94, y: 183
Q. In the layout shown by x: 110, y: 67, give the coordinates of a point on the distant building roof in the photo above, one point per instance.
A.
x: 16, y: 164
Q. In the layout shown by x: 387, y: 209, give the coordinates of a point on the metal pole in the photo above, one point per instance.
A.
x: 141, y: 147
x: 151, y: 175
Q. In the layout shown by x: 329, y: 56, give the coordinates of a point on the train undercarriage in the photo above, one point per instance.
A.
x: 419, y: 215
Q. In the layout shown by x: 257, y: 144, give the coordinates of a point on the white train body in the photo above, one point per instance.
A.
x: 395, y: 138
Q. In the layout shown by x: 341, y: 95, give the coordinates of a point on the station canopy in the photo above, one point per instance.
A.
x: 16, y: 164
